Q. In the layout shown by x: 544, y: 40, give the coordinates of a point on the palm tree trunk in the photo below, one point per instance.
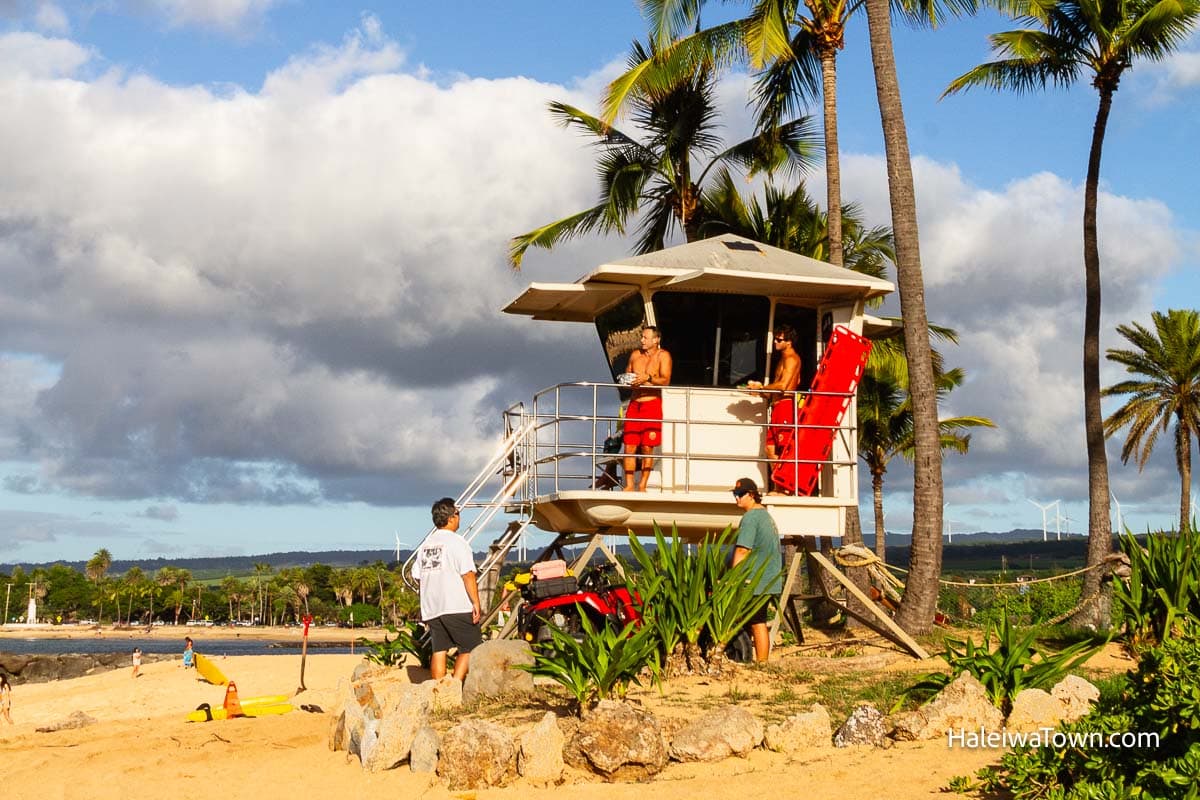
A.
x: 1183, y: 456
x: 880, y: 529
x: 833, y: 169
x: 919, y: 604
x: 1099, y: 523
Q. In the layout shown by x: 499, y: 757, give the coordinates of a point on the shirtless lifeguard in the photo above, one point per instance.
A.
x: 651, y: 367
x: 781, y: 393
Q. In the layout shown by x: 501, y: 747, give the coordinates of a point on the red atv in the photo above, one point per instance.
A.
x: 561, y: 601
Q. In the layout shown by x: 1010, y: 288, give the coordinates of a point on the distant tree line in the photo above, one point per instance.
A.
x: 364, y: 594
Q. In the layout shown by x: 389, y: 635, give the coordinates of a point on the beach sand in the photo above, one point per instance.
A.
x: 141, y: 747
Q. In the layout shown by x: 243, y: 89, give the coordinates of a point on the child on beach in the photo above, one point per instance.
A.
x: 137, y: 661
x: 188, y: 657
x: 5, y: 698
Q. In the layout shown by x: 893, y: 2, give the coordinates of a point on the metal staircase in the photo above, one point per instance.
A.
x: 512, y: 471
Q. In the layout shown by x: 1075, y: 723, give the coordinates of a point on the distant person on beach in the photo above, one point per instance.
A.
x: 781, y: 397
x: 758, y: 540
x: 189, y: 659
x: 6, y: 698
x: 137, y: 662
x: 445, y: 567
x: 650, y: 367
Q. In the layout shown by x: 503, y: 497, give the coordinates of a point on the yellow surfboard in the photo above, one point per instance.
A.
x: 270, y: 705
x: 209, y: 671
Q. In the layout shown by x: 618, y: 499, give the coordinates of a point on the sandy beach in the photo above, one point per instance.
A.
x: 141, y: 746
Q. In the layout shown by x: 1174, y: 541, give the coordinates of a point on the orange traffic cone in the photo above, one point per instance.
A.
x: 233, y: 706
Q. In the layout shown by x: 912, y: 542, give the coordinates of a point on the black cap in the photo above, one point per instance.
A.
x: 746, y: 485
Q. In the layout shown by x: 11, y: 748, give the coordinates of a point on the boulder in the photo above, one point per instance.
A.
x: 864, y: 727
x: 721, y: 733
x: 476, y: 755
x: 424, y: 754
x: 1077, y: 695
x: 962, y: 705
x: 357, y: 704
x: 807, y: 731
x: 492, y: 672
x: 1034, y: 709
x: 540, y: 752
x: 619, y: 742
x: 396, y: 729
x: 445, y: 693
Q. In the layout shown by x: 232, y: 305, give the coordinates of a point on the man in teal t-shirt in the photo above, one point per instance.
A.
x: 758, y: 540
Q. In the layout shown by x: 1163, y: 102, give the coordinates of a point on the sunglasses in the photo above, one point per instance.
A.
x: 780, y: 338
x: 740, y: 493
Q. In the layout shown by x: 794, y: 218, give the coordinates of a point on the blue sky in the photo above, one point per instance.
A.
x: 252, y: 255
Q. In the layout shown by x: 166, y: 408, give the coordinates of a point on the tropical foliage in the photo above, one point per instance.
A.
x: 1012, y: 663
x: 693, y: 601
x: 885, y: 424
x: 1167, y: 361
x: 1065, y: 41
x: 601, y: 664
x: 1163, y: 587
x: 175, y: 595
x: 1158, y: 706
x: 653, y: 177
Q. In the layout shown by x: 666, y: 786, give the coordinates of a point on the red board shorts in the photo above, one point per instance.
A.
x: 643, y: 423
x: 783, y: 417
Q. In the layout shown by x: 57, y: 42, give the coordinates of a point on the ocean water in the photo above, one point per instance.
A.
x: 116, y: 643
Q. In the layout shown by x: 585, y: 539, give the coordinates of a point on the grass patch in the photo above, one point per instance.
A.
x: 840, y: 694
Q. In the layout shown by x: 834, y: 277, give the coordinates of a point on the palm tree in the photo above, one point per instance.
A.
x: 1067, y: 40
x: 1168, y: 359
x: 656, y: 177
x: 262, y: 571
x: 790, y: 220
x: 885, y: 429
x: 132, y: 580
x: 96, y: 569
x: 762, y: 38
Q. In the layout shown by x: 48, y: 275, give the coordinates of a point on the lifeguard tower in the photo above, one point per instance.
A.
x: 716, y: 303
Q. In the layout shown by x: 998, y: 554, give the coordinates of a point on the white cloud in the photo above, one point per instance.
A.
x: 51, y: 18
x: 291, y: 294
x: 246, y: 279
x: 25, y: 55
x: 223, y: 14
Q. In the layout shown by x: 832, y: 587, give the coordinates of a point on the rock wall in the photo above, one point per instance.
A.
x: 44, y: 668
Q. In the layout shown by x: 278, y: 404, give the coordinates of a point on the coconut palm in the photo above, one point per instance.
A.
x: 655, y: 177
x: 762, y: 38
x: 1167, y: 360
x: 885, y: 429
x: 132, y: 581
x: 1068, y: 40
x: 790, y: 220
x: 262, y: 574
x: 96, y: 568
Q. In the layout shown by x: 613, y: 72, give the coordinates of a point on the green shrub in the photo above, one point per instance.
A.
x: 694, y: 598
x: 1015, y: 663
x: 362, y: 613
x: 1163, y: 586
x: 412, y: 638
x: 601, y: 664
x: 1161, y: 698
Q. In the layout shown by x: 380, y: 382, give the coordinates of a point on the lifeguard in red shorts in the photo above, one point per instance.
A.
x: 651, y: 367
x: 781, y: 393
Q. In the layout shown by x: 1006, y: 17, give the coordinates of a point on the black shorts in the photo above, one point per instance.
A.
x: 760, y: 616
x: 454, y: 629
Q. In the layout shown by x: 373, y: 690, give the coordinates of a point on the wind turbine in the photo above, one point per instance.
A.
x: 1064, y: 518
x: 1120, y: 519
x: 397, y: 546
x: 1044, y: 509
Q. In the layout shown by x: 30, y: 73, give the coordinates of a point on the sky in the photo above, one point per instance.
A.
x: 252, y: 256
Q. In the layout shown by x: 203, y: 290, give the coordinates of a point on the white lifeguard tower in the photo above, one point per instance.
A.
x: 716, y: 303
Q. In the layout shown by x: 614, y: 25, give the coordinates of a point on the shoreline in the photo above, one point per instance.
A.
x: 197, y: 632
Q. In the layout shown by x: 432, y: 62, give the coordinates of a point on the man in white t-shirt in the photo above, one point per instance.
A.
x: 445, y: 567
